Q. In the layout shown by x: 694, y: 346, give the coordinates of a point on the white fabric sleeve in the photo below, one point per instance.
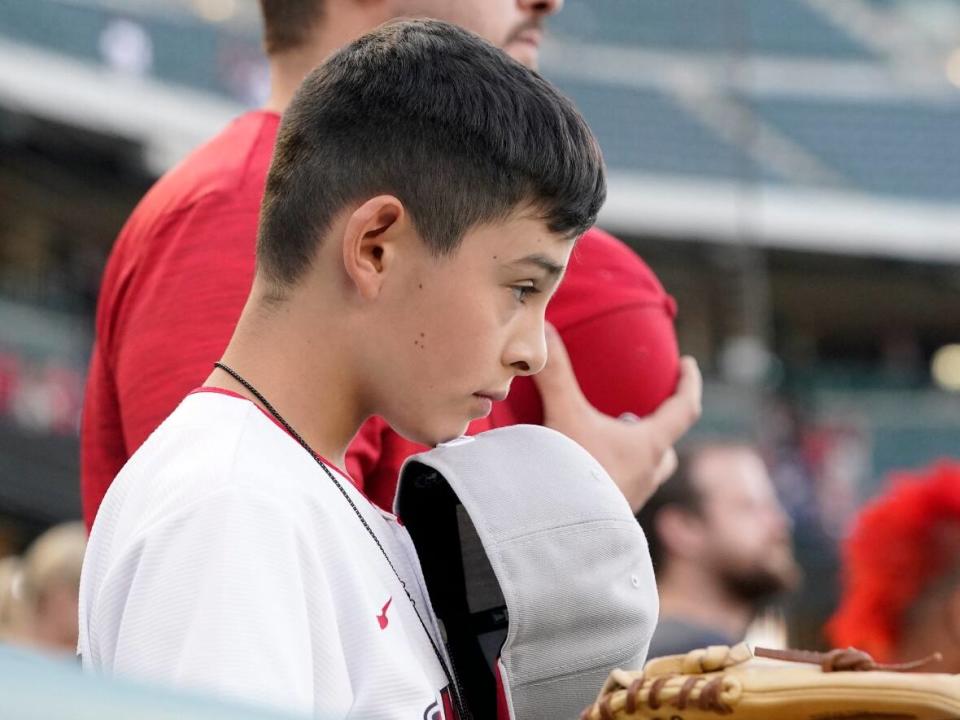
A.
x: 230, y: 597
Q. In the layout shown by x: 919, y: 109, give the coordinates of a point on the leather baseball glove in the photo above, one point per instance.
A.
x: 776, y: 685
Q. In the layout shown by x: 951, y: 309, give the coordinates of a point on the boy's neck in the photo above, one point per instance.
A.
x: 307, y: 382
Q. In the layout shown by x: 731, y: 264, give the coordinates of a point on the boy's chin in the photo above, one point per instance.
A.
x: 449, y: 436
x: 433, y: 436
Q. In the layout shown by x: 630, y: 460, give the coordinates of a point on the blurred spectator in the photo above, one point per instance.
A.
x: 48, y: 398
x: 721, y: 547
x: 10, y: 577
x: 9, y: 372
x: 901, y: 572
x: 126, y: 46
x: 50, y: 587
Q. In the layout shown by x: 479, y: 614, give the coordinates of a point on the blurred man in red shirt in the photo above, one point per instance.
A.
x: 182, y: 266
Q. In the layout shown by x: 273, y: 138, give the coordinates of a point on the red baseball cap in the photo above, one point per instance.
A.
x: 617, y: 323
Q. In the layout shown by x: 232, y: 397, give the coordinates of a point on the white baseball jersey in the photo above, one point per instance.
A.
x: 224, y: 559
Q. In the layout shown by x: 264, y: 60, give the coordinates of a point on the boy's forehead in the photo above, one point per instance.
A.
x: 522, y: 240
x: 528, y: 227
x: 541, y: 261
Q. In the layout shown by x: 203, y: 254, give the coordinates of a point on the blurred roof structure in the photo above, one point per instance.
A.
x: 791, y: 123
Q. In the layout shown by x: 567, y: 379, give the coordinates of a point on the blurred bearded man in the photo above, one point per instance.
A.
x: 721, y: 547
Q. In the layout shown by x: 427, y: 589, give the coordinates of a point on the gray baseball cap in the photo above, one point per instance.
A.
x: 537, y: 570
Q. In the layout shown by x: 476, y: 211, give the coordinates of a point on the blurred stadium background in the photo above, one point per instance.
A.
x: 789, y: 168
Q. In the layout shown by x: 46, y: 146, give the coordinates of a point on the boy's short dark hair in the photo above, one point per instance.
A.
x: 287, y: 23
x: 458, y: 131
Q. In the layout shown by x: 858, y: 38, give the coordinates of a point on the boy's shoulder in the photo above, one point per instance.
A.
x: 212, y: 447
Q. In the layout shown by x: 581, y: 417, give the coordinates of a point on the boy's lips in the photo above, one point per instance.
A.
x: 493, y: 396
x: 530, y: 36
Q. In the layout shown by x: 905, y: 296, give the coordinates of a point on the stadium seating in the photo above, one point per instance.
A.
x: 774, y: 27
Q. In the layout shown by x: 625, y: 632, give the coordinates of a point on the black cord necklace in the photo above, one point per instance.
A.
x: 303, y: 443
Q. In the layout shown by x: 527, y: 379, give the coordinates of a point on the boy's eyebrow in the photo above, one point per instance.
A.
x: 543, y: 262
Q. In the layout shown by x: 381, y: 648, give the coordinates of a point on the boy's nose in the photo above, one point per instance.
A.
x: 543, y: 7
x: 528, y: 355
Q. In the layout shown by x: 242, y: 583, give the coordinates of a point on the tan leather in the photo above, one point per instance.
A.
x: 732, y: 682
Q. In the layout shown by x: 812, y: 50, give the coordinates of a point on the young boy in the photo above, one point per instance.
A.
x: 423, y: 201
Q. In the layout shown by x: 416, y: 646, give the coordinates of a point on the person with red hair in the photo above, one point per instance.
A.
x: 901, y: 571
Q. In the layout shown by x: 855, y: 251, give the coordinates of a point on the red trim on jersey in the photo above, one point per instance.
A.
x: 222, y: 391
x: 238, y: 396
x: 449, y: 711
x: 503, y: 709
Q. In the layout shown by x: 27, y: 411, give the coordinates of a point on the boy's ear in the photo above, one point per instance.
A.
x: 369, y: 242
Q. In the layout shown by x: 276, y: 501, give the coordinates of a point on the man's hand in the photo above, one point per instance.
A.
x: 637, y: 453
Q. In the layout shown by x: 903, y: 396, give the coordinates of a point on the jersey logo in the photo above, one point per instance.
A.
x: 382, y: 618
x: 444, y: 711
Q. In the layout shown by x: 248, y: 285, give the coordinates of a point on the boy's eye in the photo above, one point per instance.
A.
x: 522, y: 292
